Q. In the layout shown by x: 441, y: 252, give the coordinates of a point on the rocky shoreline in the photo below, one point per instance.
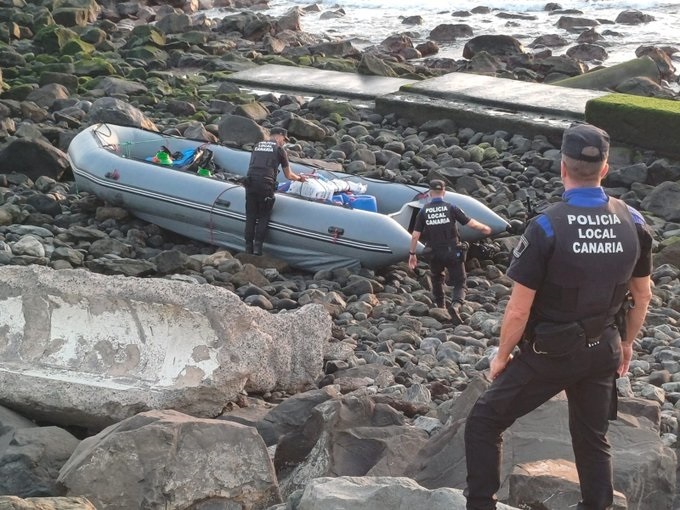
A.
x: 389, y: 345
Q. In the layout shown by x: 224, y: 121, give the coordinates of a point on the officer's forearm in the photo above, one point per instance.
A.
x: 514, y: 323
x: 642, y: 294
x: 515, y: 319
x: 414, y: 241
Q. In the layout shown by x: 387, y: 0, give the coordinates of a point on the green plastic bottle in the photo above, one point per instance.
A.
x: 164, y: 158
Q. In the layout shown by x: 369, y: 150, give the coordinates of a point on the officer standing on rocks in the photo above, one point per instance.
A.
x: 260, y: 183
x: 573, y: 269
x: 436, y: 222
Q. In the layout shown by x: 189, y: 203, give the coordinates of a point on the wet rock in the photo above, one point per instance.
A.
x: 231, y: 458
x: 30, y: 460
x: 496, y: 45
x: 633, y: 17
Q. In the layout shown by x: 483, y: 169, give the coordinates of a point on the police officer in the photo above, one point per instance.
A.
x: 571, y: 270
x: 265, y: 160
x: 436, y: 222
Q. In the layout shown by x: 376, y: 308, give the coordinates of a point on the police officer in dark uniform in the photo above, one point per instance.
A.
x: 571, y: 271
x: 265, y: 160
x: 436, y: 222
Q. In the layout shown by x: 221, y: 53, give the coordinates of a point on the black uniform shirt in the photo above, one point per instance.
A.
x: 437, y: 222
x: 530, y: 256
x: 265, y: 160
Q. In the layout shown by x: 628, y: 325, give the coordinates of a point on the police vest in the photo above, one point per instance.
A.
x: 264, y: 162
x: 440, y: 226
x: 594, y: 256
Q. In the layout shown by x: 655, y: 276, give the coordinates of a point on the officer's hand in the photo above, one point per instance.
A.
x: 498, y: 365
x: 486, y: 230
x: 626, y: 356
x: 412, y: 261
x: 303, y: 178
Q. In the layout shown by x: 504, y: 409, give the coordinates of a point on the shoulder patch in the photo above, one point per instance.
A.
x: 522, y: 245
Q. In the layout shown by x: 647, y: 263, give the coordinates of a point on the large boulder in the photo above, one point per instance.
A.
x: 291, y: 414
x: 99, y: 349
x: 115, y: 111
x: 644, y: 467
x: 347, y: 437
x: 166, y: 459
x: 379, y: 493
x: 33, y: 158
x: 240, y: 130
x: 496, y: 45
x: 663, y: 201
x: 16, y: 503
x: 30, y: 460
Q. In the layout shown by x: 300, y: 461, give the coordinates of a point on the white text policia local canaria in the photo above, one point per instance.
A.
x: 437, y: 215
x: 596, y: 232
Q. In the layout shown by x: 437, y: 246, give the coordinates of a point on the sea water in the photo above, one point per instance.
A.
x: 368, y: 22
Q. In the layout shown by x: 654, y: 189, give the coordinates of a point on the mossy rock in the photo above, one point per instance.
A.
x: 343, y: 65
x: 159, y: 85
x: 146, y: 100
x: 237, y: 97
x: 200, y: 116
x: 148, y: 54
x: 645, y: 122
x: 476, y: 153
x: 42, y: 18
x: 72, y: 17
x: 328, y: 107
x: 44, y: 58
x: 52, y: 38
x: 275, y: 59
x: 137, y: 73
x: 59, y: 67
x: 11, y: 73
x: 193, y: 37
x: 19, y: 92
x: 17, y: 16
x: 94, y: 35
x: 95, y: 67
x: 77, y: 46
x: 143, y: 35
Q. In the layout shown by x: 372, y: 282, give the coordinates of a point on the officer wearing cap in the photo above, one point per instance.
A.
x: 571, y: 271
x: 260, y: 184
x: 436, y: 222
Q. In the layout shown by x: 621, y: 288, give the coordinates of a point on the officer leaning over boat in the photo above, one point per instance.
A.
x: 436, y: 223
x: 260, y: 185
x: 572, y: 270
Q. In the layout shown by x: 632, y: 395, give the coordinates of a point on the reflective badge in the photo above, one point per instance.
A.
x: 522, y: 245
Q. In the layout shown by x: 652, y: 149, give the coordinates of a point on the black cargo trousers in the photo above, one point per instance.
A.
x: 259, y: 204
x: 449, y: 259
x: 588, y: 375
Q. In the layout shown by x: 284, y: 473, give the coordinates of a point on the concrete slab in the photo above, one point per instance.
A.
x: 483, y: 103
x: 514, y: 95
x: 420, y: 108
x: 87, y: 349
x: 318, y: 81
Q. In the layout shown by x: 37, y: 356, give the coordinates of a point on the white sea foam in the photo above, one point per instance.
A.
x: 368, y: 22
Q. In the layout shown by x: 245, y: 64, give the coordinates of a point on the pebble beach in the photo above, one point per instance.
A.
x: 177, y: 83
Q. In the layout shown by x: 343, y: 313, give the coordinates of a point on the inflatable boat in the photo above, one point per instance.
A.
x: 204, y: 200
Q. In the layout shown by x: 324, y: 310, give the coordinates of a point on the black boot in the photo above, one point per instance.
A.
x: 257, y: 248
x: 454, y: 312
x: 249, y: 248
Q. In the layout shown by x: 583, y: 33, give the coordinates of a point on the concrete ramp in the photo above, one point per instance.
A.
x: 81, y: 348
x: 483, y: 103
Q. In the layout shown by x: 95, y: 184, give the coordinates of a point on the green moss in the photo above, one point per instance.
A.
x: 275, y: 59
x: 639, y: 121
x: 52, y: 38
x: 77, y: 46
